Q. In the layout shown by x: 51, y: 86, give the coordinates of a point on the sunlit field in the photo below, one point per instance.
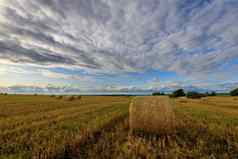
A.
x: 43, y: 127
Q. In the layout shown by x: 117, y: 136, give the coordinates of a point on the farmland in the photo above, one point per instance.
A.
x: 98, y: 127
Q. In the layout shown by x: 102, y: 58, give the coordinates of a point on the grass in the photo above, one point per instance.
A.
x: 41, y: 126
x: 203, y: 130
x: 98, y: 127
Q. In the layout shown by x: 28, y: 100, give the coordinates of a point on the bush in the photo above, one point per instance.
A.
x: 178, y: 93
x: 195, y: 95
x: 158, y: 94
x: 234, y: 92
x: 213, y: 93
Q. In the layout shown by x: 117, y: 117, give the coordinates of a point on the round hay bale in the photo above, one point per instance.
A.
x: 52, y: 95
x: 78, y: 97
x: 59, y: 97
x: 69, y: 98
x: 152, y: 115
x: 182, y: 101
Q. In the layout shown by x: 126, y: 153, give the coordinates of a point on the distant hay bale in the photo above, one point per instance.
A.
x: 78, y: 97
x: 70, y: 98
x: 52, y: 95
x: 152, y: 115
x: 59, y: 97
x: 183, y: 101
x: 205, y: 100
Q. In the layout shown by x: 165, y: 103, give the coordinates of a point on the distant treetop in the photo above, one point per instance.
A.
x: 178, y: 93
x: 234, y: 92
x: 158, y: 94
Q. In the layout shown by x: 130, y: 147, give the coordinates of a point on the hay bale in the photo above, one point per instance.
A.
x: 183, y: 100
x: 52, y: 95
x: 152, y: 115
x: 70, y: 98
x: 59, y: 97
x: 78, y: 97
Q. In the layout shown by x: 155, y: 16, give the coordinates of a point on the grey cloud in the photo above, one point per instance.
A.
x: 173, y: 35
x: 15, y: 52
x: 43, y: 90
x: 164, y: 87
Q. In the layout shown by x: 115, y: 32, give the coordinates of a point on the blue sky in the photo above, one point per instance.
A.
x: 123, y: 45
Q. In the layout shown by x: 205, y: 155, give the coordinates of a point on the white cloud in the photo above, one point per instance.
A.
x: 188, y: 37
x: 55, y: 75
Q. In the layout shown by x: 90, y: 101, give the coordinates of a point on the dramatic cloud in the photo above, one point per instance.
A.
x: 184, y: 36
x: 196, y: 39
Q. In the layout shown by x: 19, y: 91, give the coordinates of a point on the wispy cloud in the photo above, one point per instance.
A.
x: 183, y: 36
x: 191, y: 38
x: 56, y: 75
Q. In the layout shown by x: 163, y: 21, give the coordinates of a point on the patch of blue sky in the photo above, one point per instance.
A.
x: 136, y: 78
x: 68, y: 71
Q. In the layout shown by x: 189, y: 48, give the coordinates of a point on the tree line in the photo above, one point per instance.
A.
x: 194, y: 94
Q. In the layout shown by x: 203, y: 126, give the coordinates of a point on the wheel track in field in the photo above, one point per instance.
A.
x: 116, y: 127
x: 32, y: 118
x: 58, y: 118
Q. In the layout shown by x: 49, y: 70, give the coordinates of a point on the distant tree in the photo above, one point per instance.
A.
x: 158, y: 94
x: 178, y: 93
x: 213, y: 93
x: 195, y: 95
x: 234, y: 92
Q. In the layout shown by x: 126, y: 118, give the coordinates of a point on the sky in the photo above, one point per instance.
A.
x: 118, y: 45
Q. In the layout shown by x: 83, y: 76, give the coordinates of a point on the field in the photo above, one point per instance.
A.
x: 43, y: 127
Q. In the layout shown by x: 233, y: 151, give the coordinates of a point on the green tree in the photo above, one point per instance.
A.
x: 213, y: 93
x: 195, y: 95
x: 178, y: 93
x: 234, y: 92
x: 158, y: 94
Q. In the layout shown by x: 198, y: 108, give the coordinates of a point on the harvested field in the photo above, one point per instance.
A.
x: 42, y: 127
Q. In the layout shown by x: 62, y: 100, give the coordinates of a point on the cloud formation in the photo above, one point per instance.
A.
x: 184, y: 36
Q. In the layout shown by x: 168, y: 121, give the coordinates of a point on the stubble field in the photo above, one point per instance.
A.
x: 43, y: 127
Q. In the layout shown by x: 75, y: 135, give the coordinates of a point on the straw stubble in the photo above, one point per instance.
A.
x: 152, y: 114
